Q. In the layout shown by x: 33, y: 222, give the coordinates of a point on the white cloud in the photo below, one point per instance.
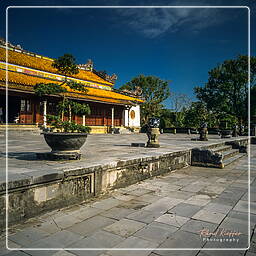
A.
x: 153, y: 22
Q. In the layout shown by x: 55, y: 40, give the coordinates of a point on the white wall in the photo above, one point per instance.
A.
x: 128, y: 120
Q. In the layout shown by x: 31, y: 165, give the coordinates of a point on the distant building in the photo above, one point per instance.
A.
x: 25, y: 69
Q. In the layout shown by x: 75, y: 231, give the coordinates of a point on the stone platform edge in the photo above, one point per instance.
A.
x: 33, y: 196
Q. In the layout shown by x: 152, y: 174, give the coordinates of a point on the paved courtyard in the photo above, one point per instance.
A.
x: 194, y: 207
x: 98, y: 149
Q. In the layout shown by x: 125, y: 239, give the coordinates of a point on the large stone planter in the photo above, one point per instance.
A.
x: 226, y: 133
x: 64, y: 145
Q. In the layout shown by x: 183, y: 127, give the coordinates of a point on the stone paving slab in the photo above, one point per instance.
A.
x: 195, y: 226
x: 149, y: 217
x: 209, y: 216
x: 133, y: 242
x: 87, y: 227
x: 100, y: 239
x: 181, y: 239
x: 117, y: 213
x: 62, y: 238
x: 156, y: 232
x: 144, y: 216
x: 172, y: 219
x: 28, y: 236
x: 185, y: 210
x: 125, y: 227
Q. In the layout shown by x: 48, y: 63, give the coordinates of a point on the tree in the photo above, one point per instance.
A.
x: 226, y: 91
x: 197, y: 113
x: 167, y: 118
x: 66, y: 66
x: 253, y: 103
x: 154, y: 91
x: 180, y: 102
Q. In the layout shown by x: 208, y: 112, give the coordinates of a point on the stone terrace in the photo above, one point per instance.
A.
x: 98, y: 149
x: 162, y: 212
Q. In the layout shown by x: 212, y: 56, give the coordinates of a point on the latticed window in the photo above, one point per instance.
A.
x: 52, y: 108
x: 22, y: 105
x: 25, y: 105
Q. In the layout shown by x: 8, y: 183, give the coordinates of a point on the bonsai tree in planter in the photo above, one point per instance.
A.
x: 68, y: 137
x: 227, y: 122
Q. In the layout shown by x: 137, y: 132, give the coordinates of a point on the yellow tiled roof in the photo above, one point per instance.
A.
x: 92, y: 93
x: 26, y: 60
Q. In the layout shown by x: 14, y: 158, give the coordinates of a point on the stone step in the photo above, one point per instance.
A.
x: 20, y: 130
x: 230, y: 153
x: 215, y: 146
x: 222, y: 148
x: 232, y: 159
x: 18, y: 126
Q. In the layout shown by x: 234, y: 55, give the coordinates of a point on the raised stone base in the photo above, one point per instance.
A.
x: 151, y: 145
x: 138, y: 145
x: 226, y: 136
x: 33, y: 196
x: 56, y: 156
x: 198, y: 139
x: 53, y: 186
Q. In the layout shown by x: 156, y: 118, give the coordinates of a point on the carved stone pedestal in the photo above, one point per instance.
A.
x: 203, y: 134
x: 153, y: 138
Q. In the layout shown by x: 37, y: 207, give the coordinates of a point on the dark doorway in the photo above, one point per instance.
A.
x: 2, y: 108
x: 13, y: 109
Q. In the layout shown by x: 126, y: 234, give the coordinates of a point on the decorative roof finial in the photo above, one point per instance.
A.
x: 88, y: 66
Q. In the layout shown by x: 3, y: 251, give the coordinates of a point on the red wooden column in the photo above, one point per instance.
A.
x: 104, y: 117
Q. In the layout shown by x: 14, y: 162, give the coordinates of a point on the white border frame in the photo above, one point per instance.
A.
x: 131, y: 249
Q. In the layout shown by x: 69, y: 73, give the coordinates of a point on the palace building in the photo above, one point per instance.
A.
x: 109, y: 108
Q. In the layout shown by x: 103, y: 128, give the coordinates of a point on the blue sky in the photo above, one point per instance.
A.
x: 179, y: 45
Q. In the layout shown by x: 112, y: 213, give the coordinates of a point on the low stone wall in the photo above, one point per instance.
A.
x: 31, y: 197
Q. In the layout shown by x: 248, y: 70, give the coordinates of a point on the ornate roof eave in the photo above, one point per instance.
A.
x: 72, y: 95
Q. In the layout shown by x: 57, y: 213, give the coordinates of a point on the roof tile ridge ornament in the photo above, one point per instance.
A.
x: 137, y: 92
x: 87, y: 66
x: 18, y: 48
x: 10, y: 45
x: 103, y: 74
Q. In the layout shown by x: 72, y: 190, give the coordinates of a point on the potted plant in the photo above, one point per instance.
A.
x: 65, y: 137
x: 226, y: 124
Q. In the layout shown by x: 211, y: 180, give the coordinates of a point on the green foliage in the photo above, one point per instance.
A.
x: 80, y: 109
x: 49, y: 89
x: 253, y: 103
x: 67, y: 105
x: 167, y: 118
x: 66, y: 65
x: 198, y: 114
x: 227, y: 88
x: 54, y: 121
x: 227, y: 121
x: 76, y: 86
x: 66, y: 126
x: 180, y: 103
x: 73, y: 127
x: 154, y: 91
